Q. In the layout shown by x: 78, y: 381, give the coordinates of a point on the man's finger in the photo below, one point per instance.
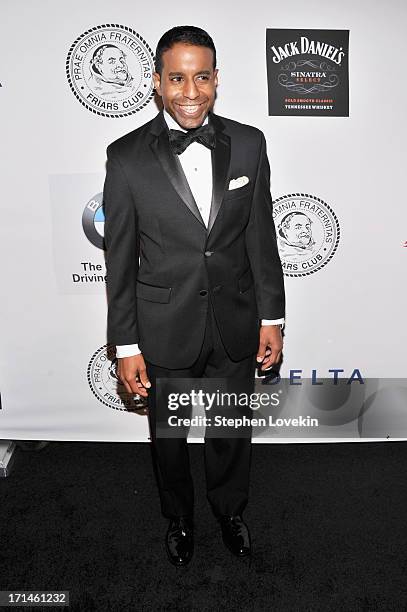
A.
x: 126, y: 386
x: 262, y: 351
x: 267, y: 363
x: 133, y: 385
x: 141, y: 390
x: 270, y: 361
x: 265, y: 355
x: 144, y: 379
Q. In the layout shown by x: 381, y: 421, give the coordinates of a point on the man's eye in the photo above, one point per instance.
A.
x: 176, y: 79
x: 204, y: 77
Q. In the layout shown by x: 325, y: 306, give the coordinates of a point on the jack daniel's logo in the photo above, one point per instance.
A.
x: 312, y: 47
x: 307, y: 72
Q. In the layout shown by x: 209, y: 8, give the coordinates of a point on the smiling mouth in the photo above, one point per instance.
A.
x: 190, y: 109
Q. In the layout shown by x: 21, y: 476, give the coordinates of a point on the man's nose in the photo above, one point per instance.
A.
x: 190, y: 91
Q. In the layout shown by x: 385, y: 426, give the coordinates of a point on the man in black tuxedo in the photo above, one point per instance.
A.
x: 194, y: 280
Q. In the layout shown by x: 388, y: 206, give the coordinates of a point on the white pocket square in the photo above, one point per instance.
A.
x: 238, y: 182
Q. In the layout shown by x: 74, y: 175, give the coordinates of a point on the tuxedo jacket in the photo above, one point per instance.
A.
x: 164, y: 265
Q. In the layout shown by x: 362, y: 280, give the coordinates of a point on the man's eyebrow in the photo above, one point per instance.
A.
x: 170, y: 74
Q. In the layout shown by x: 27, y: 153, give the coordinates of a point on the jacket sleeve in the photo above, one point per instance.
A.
x: 122, y: 255
x: 261, y: 244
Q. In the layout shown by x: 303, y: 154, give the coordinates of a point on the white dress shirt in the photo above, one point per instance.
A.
x: 196, y: 162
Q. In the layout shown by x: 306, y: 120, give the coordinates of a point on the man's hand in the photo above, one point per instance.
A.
x: 133, y: 374
x: 270, y: 345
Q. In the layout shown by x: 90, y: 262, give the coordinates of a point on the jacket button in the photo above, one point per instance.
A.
x: 203, y: 292
x: 208, y: 253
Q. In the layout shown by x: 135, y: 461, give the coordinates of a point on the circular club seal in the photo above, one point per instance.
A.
x: 106, y: 385
x: 93, y: 221
x: 110, y: 69
x: 307, y: 233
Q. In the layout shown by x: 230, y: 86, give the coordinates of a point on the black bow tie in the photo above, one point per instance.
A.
x: 181, y: 140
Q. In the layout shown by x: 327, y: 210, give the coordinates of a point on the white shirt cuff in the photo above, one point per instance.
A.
x: 127, y: 350
x: 273, y: 322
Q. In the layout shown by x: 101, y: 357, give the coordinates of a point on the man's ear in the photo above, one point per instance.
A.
x: 157, y: 82
x: 215, y: 78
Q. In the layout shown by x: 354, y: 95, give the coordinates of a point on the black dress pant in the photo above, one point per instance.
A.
x: 227, y: 459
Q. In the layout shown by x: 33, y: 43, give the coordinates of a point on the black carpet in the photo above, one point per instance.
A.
x: 328, y: 525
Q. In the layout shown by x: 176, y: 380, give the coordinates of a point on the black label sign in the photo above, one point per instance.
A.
x: 307, y: 72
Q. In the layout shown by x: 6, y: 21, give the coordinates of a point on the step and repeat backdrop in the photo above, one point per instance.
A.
x: 325, y: 84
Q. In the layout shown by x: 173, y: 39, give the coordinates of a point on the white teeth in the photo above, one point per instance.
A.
x: 190, y: 110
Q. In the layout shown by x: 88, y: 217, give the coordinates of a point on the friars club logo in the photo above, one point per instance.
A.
x: 93, y: 221
x: 106, y: 385
x: 307, y: 72
x: 110, y: 69
x: 307, y: 233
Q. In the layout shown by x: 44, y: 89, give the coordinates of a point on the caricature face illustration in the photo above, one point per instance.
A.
x: 109, y: 69
x: 296, y: 229
x: 110, y: 63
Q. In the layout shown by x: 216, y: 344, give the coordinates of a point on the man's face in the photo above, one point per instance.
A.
x: 298, y: 230
x: 187, y: 83
x: 113, y: 66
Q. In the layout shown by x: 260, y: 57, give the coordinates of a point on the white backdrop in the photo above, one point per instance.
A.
x: 350, y: 314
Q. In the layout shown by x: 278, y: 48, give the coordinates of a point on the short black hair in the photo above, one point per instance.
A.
x: 190, y: 35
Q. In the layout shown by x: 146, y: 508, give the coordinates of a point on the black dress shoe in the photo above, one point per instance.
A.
x: 179, y: 541
x: 235, y: 535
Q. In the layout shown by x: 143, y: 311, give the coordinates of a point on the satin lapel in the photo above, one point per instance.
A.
x: 220, y: 169
x: 173, y: 169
